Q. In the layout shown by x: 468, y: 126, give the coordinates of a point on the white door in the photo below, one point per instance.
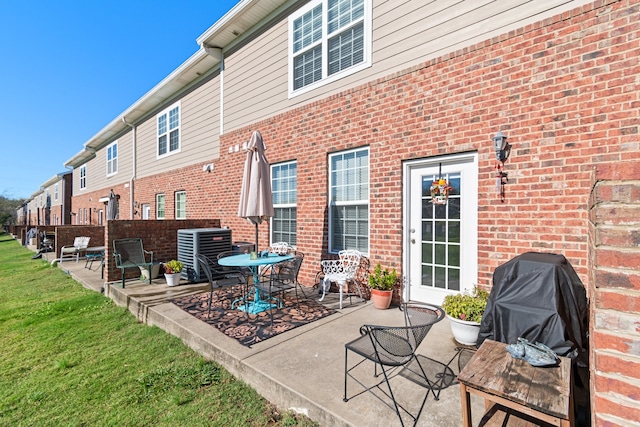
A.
x: 440, y: 241
x: 146, y: 211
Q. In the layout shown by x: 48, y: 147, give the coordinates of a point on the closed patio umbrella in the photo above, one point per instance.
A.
x: 112, y: 206
x: 256, y: 203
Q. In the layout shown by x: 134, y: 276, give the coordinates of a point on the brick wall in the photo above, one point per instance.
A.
x: 160, y: 237
x: 89, y: 201
x: 615, y: 288
x: 66, y: 234
x: 563, y: 90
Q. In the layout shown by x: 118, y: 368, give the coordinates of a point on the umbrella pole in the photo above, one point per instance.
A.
x: 256, y: 237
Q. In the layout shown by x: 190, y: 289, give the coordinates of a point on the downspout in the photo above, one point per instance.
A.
x: 216, y: 53
x: 133, y: 173
x: 221, y: 94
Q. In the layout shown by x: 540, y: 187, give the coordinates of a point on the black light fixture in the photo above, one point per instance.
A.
x: 501, y: 147
x: 502, y: 150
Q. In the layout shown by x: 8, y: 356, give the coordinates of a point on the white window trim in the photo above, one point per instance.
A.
x: 326, y: 79
x: 350, y: 202
x: 175, y: 208
x: 284, y: 205
x: 83, y: 177
x: 113, y: 161
x: 164, y: 207
x: 166, y: 112
x: 55, y: 192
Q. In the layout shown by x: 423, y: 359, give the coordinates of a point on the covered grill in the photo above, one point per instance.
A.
x: 538, y: 296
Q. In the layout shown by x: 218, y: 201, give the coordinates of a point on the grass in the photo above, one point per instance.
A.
x: 70, y: 357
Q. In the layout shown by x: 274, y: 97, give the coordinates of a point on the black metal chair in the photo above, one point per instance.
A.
x: 283, y: 277
x: 393, y: 349
x: 219, y: 278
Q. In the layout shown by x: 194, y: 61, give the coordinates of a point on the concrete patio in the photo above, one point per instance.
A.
x: 301, y: 369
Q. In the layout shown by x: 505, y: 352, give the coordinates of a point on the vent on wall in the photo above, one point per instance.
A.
x: 206, y: 241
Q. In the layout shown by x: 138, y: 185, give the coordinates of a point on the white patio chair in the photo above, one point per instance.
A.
x: 69, y: 252
x: 341, y: 271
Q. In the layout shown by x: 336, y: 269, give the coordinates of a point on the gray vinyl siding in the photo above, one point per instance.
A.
x: 52, y: 193
x: 255, y: 80
x: 199, y: 133
x: 97, y: 178
x: 405, y: 34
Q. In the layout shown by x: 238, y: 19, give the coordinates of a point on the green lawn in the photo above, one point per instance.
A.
x: 70, y: 357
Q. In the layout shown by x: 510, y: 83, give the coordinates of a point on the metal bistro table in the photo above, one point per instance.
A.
x: 258, y: 305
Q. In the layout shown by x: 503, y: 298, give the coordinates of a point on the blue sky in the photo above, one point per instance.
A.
x: 71, y: 67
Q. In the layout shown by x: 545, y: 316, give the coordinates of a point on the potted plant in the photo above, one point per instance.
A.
x: 173, y: 271
x: 381, y: 282
x: 465, y: 311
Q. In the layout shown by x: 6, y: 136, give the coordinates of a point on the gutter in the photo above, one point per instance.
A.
x: 133, y: 172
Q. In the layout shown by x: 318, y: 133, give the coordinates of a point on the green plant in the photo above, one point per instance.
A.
x: 383, y: 279
x: 173, y: 266
x: 466, y: 306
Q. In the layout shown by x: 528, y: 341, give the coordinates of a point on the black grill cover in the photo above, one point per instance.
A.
x: 537, y: 296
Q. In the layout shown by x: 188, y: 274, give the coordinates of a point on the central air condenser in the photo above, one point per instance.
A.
x: 206, y: 241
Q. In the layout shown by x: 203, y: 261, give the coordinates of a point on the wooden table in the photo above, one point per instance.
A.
x: 542, y: 394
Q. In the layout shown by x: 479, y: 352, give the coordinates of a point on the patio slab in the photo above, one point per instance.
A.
x: 301, y: 369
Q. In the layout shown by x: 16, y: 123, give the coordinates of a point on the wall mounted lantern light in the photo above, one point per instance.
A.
x: 501, y: 147
x: 502, y: 150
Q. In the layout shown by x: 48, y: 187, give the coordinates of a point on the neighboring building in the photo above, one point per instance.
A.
x: 362, y: 104
x: 57, y: 190
x: 35, y: 208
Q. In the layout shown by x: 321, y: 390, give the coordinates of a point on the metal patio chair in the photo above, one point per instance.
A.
x: 342, y: 271
x: 219, y: 278
x: 69, y: 252
x: 392, y: 349
x: 129, y: 253
x: 282, y: 278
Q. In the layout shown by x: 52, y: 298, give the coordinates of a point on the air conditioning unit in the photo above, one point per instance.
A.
x: 206, y: 241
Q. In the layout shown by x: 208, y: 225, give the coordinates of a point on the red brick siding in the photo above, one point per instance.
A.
x: 160, y: 237
x: 615, y: 289
x: 563, y: 90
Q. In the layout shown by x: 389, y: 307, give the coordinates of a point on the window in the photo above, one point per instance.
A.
x: 181, y: 205
x: 169, y: 131
x: 112, y: 158
x: 55, y: 192
x: 349, y: 200
x: 328, y: 39
x: 159, y: 206
x: 83, y: 177
x: 284, y: 184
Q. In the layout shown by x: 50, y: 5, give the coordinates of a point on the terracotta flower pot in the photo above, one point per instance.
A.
x: 381, y: 299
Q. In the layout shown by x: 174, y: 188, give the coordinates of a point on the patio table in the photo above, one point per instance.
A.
x: 258, y: 305
x: 517, y: 389
x: 94, y: 253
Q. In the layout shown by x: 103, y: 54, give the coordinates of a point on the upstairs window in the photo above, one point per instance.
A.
x: 112, y: 158
x: 55, y: 192
x: 83, y: 177
x: 328, y: 39
x: 169, y: 131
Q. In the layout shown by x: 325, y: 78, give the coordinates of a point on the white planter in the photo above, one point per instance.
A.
x: 464, y: 332
x: 155, y: 271
x: 173, y: 279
